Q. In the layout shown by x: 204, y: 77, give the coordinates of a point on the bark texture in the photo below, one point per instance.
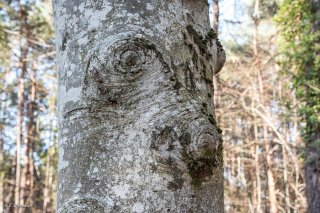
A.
x: 313, y: 167
x: 216, y: 15
x: 137, y: 125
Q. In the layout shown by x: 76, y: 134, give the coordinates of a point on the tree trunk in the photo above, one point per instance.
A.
x: 28, y: 175
x: 21, y: 101
x: 137, y: 131
x: 46, y: 197
x: 270, y: 176
x: 2, y: 172
x: 216, y: 79
x: 216, y: 15
x: 313, y: 166
x: 48, y: 172
x: 257, y: 165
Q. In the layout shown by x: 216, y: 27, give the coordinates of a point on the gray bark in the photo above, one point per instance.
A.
x: 137, y: 130
x: 312, y: 167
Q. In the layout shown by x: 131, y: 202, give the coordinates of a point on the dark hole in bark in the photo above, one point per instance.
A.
x: 64, y: 41
x: 185, y: 139
x: 131, y: 60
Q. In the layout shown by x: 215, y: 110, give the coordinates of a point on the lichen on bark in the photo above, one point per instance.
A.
x: 137, y: 131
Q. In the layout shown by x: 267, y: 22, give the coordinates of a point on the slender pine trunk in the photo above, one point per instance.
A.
x: 21, y: 101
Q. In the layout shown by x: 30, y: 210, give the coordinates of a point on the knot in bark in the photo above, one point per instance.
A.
x: 130, y: 56
x: 117, y: 69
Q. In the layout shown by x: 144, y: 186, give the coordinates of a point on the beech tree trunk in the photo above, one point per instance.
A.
x: 137, y: 131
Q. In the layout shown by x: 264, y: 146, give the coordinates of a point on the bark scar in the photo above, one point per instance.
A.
x: 115, y: 69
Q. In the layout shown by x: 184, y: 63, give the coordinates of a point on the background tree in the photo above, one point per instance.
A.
x: 263, y: 164
x: 300, y: 37
x: 26, y: 64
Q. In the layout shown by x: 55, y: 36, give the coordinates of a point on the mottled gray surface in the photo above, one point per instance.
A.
x: 137, y: 127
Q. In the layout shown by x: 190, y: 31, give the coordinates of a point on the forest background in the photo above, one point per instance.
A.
x: 267, y: 100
